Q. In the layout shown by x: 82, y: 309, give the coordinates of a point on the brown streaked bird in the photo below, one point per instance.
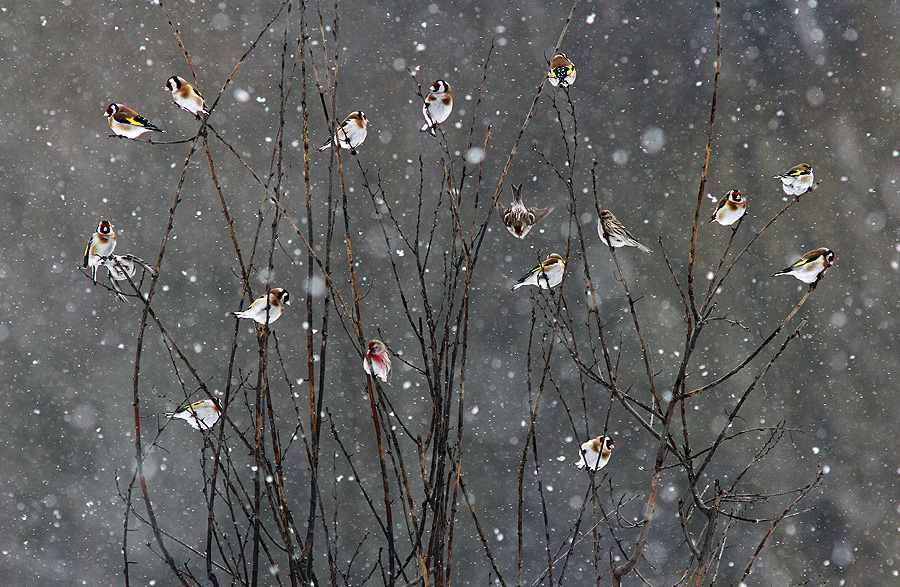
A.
x: 278, y: 298
x: 101, y: 245
x: 797, y: 180
x: 810, y: 267
x: 613, y: 233
x: 518, y: 219
x: 595, y: 453
x: 380, y: 358
x: 350, y: 134
x: 186, y: 96
x: 730, y: 208
x: 125, y: 122
x: 562, y: 71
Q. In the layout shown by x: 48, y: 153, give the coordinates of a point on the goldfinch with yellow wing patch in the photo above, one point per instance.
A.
x: 810, y: 267
x: 438, y: 106
x: 186, y: 95
x: 730, y: 208
x: 797, y: 180
x: 350, y: 134
x: 125, y: 122
x: 562, y: 71
x: 278, y: 298
x: 547, y: 275
x: 201, y: 415
x: 100, y: 246
x: 595, y: 453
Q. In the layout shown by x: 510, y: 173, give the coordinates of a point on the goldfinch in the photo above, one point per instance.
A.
x: 100, y: 246
x: 277, y: 299
x: 797, y: 180
x: 201, y: 415
x: 122, y: 267
x: 595, y: 453
x: 810, y: 267
x: 351, y: 133
x: 547, y: 275
x: 380, y: 358
x: 613, y: 233
x: 518, y: 219
x: 125, y: 122
x: 186, y: 95
x: 730, y: 208
x: 562, y: 71
x: 438, y: 106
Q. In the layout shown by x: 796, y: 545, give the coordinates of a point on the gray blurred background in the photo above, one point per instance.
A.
x: 802, y: 81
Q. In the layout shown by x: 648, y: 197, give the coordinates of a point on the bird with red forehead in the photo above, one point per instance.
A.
x: 377, y: 361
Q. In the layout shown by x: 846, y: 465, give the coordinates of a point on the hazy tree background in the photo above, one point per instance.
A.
x: 801, y: 82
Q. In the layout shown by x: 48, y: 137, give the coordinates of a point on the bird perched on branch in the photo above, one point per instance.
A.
x: 518, y: 219
x: 797, y: 180
x: 595, y: 453
x: 379, y: 357
x: 201, y: 415
x: 122, y: 267
x: 438, y: 106
x: 547, y: 275
x: 730, y: 208
x: 278, y: 298
x: 186, y: 95
x: 101, y: 245
x: 350, y: 134
x: 562, y: 71
x: 125, y: 122
x: 614, y: 234
x: 810, y: 267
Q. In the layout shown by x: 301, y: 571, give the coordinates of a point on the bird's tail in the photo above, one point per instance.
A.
x: 325, y: 146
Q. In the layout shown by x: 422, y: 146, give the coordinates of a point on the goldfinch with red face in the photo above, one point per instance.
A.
x: 547, y: 275
x: 438, y: 106
x: 201, y: 415
x: 350, y: 134
x: 614, y: 234
x: 125, y: 122
x: 518, y: 219
x: 797, y: 180
x: 186, y: 95
x: 100, y: 246
x: 278, y: 298
x: 810, y: 267
x: 730, y: 208
x: 562, y: 71
x: 377, y: 360
x: 595, y: 453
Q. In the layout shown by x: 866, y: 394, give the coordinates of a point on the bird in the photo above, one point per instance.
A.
x: 810, y: 267
x: 595, y: 453
x: 186, y: 95
x: 797, y: 180
x: 437, y: 107
x: 122, y: 267
x: 547, y: 275
x: 614, y: 234
x: 518, y: 219
x: 351, y: 133
x: 101, y: 245
x: 125, y: 122
x: 380, y: 358
x: 277, y: 299
x: 562, y: 71
x: 201, y: 415
x: 730, y: 208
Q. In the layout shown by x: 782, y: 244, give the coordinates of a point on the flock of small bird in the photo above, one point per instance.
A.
x: 518, y: 219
